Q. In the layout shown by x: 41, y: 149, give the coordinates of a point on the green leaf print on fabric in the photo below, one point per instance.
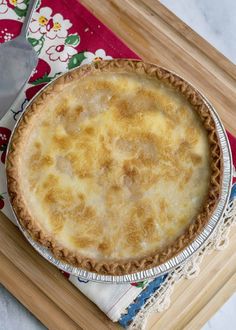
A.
x: 44, y: 79
x: 76, y: 60
x: 37, y: 43
x: 72, y: 39
x: 21, y: 12
x: 33, y: 42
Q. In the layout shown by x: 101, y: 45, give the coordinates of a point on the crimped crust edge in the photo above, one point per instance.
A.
x: 103, y: 266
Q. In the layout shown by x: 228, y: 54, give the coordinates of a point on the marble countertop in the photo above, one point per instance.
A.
x: 216, y: 22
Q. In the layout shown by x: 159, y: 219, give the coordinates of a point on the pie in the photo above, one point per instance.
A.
x: 115, y: 166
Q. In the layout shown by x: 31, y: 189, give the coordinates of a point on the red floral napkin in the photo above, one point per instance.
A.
x: 66, y: 35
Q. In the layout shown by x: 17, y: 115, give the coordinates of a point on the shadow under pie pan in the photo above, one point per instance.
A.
x: 120, y: 78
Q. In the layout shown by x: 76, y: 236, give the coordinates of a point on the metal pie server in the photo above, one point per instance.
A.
x: 17, y: 60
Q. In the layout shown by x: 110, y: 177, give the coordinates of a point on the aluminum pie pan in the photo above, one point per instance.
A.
x: 175, y: 261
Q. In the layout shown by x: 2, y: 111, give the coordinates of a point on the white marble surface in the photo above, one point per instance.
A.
x: 14, y: 316
x: 225, y: 318
x: 215, y: 20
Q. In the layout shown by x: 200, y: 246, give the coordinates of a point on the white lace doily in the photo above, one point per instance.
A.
x: 161, y: 299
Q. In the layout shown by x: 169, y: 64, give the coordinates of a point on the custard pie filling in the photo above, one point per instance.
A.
x: 117, y: 166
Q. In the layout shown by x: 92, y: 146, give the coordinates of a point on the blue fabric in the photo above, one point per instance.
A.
x: 133, y: 309
x: 233, y: 192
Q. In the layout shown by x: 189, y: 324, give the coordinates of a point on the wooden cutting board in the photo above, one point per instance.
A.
x: 158, y: 36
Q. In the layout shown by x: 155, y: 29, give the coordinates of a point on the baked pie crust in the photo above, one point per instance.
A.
x: 115, y: 166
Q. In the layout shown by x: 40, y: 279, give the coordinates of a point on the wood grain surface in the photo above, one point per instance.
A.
x: 158, y: 36
x: 50, y: 286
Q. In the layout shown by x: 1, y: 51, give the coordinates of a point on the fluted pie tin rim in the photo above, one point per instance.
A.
x: 187, y: 252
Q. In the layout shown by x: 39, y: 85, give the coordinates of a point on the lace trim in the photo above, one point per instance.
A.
x: 160, y: 300
x: 134, y: 308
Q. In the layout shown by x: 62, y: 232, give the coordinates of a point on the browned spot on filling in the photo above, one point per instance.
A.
x: 125, y: 110
x: 106, y: 165
x: 130, y: 172
x: 106, y: 247
x: 185, y: 178
x: 133, y: 235
x: 46, y: 124
x: 154, y: 101
x: 82, y: 166
x: 192, y: 135
x: 116, y: 188
x: 149, y: 228
x: 57, y: 222
x: 196, y: 159
x: 82, y: 241
x: 114, y: 197
x: 83, y: 173
x: 163, y: 205
x: 37, y: 145
x: 78, y: 110
x: 50, y: 181
x: 89, y: 212
x: 164, y: 216
x: 144, y: 145
x: 58, y: 196
x: 171, y: 231
x: 46, y: 161
x: 89, y: 130
x: 69, y: 118
x: 37, y: 161
x: 101, y: 85
x: 184, y: 147
x: 183, y: 220
x: 82, y: 214
x: 81, y: 197
x: 62, y: 142
x: 35, y: 157
x: 62, y: 108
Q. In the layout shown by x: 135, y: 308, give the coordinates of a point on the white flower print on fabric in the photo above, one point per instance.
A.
x: 3, y: 7
x: 18, y: 3
x: 59, y: 27
x: 100, y: 54
x: 51, y: 26
x: 13, y: 9
x: 42, y: 21
x: 61, y: 52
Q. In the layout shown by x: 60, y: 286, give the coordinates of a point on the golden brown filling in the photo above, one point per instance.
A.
x: 116, y: 167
